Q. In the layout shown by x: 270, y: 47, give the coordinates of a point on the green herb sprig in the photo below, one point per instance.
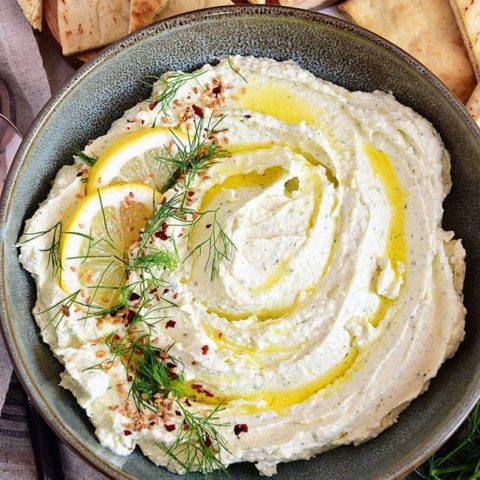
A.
x: 54, y: 260
x: 459, y: 459
x: 171, y: 84
x: 89, y: 160
x: 236, y: 70
x: 199, y: 443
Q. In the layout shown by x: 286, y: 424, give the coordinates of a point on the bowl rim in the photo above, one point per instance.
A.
x: 400, y: 469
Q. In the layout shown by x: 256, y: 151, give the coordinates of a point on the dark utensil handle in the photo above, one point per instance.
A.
x: 44, y: 444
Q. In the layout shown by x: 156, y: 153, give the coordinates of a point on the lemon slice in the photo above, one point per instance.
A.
x: 132, y: 158
x: 103, y: 227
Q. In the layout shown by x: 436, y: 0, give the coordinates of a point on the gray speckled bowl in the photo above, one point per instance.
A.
x: 331, y: 49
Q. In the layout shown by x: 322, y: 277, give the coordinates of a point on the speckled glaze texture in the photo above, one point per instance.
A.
x: 329, y: 48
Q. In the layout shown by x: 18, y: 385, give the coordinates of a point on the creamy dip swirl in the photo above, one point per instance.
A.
x: 342, y: 295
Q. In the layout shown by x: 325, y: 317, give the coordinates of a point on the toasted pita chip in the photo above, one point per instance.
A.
x: 145, y: 12
x: 426, y: 29
x: 175, y: 7
x: 473, y: 104
x: 467, y: 13
x: 91, y: 23
x: 32, y: 9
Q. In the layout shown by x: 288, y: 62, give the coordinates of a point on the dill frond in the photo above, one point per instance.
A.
x: 158, y: 259
x: 54, y: 260
x: 459, y: 459
x: 199, y: 442
x: 171, y: 84
x: 89, y: 160
x: 218, y: 243
x: 236, y: 70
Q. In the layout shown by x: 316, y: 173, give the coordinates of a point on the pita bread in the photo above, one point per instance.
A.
x: 145, y: 12
x: 473, y: 104
x: 467, y: 13
x: 175, y: 7
x: 32, y: 9
x: 424, y: 28
x: 88, y: 24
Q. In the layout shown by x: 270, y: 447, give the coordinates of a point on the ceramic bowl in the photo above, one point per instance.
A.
x: 331, y: 49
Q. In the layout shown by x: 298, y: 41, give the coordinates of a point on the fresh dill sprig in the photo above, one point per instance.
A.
x: 154, y: 377
x: 236, y: 70
x: 219, y: 245
x: 157, y: 259
x: 197, y: 154
x: 54, y: 260
x: 459, y: 459
x: 89, y: 160
x: 199, y: 442
x: 63, y: 310
x: 171, y: 84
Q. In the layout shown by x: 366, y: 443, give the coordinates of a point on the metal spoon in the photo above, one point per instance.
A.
x: 44, y: 442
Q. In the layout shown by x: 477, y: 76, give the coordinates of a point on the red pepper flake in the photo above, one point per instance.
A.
x: 170, y: 324
x: 216, y: 90
x: 194, y: 363
x: 198, y: 111
x: 178, y: 413
x: 127, y: 433
x: 239, y: 428
x: 171, y: 365
x: 247, y: 116
x: 190, y: 193
x: 130, y: 316
x: 152, y: 105
x: 204, y: 349
x: 116, y: 337
x: 208, y: 394
x: 161, y: 235
x: 175, y: 296
x: 208, y: 441
x: 65, y: 311
x: 208, y: 225
x: 129, y: 378
x: 165, y: 291
x: 134, y: 296
x: 170, y: 428
x: 79, y: 174
x: 197, y: 386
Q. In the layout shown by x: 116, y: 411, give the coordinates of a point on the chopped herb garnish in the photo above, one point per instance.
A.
x: 236, y: 70
x: 158, y: 259
x: 171, y: 84
x: 89, y: 160
x: 54, y: 260
x: 155, y: 376
x: 218, y: 243
x: 460, y: 458
x: 199, y: 443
